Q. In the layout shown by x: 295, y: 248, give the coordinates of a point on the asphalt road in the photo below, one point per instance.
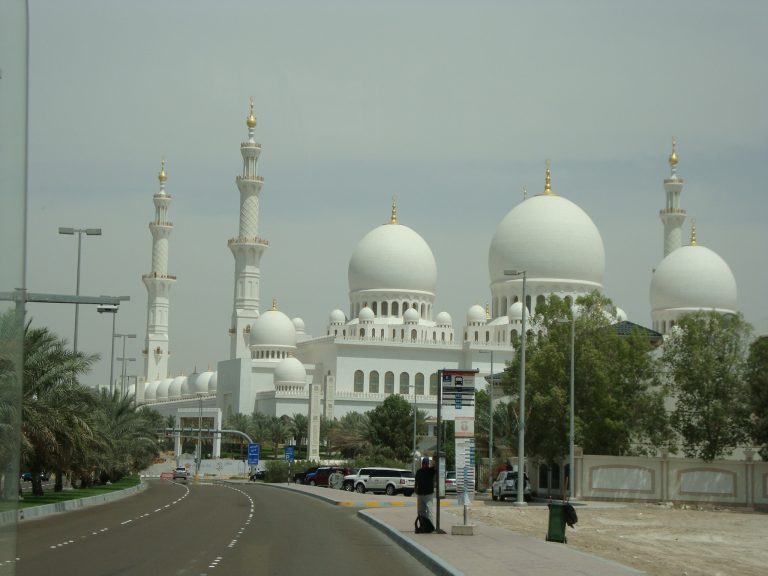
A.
x: 208, y: 529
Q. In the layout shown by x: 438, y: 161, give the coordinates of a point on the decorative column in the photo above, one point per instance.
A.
x: 672, y: 216
x: 247, y: 248
x: 158, y: 283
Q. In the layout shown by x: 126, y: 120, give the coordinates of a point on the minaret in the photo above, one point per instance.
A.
x: 247, y: 248
x: 672, y: 216
x: 158, y: 283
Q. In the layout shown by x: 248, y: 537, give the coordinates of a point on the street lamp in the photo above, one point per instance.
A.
x: 124, y: 359
x: 199, y: 438
x: 413, y: 456
x: 490, y: 425
x: 571, y: 403
x: 521, y: 427
x: 111, y: 309
x: 79, y: 232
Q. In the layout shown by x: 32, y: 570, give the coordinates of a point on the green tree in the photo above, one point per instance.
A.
x: 705, y: 360
x: 391, y: 428
x: 278, y: 431
x: 757, y: 377
x: 619, y: 406
x: 299, y: 425
x: 350, y: 434
x: 239, y: 422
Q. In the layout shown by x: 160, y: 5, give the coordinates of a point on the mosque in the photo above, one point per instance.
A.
x: 390, y: 340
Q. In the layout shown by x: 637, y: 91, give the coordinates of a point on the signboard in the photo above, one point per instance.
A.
x: 289, y: 453
x: 465, y: 468
x: 457, y: 394
x: 253, y: 454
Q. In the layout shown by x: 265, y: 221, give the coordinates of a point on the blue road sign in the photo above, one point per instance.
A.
x: 289, y: 454
x: 253, y: 454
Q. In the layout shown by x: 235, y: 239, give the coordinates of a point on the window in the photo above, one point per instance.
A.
x: 404, y: 383
x: 375, y: 307
x: 433, y: 385
x: 389, y: 383
x: 395, y: 309
x: 359, y: 381
x: 384, y: 309
x: 362, y: 332
x: 420, y: 384
x: 373, y: 382
x: 413, y: 335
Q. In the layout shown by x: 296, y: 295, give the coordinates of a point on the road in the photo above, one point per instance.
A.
x: 208, y: 529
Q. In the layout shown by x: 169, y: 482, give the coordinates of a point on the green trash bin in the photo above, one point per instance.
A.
x: 556, y: 531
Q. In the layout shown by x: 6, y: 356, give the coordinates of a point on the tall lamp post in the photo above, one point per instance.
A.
x: 79, y: 232
x: 521, y: 427
x: 490, y: 421
x: 571, y: 403
x: 413, y: 456
x: 111, y: 309
x: 124, y: 359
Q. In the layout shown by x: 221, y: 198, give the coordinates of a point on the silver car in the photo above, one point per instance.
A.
x: 505, y: 486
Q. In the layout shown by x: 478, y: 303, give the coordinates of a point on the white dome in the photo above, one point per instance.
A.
x: 174, y: 390
x: 366, y: 315
x: 476, y: 315
x: 290, y: 371
x: 411, y: 316
x: 150, y: 390
x: 298, y: 324
x: 200, y: 384
x: 551, y: 238
x: 621, y: 316
x: 444, y: 319
x: 338, y: 317
x: 162, y: 389
x: 187, y: 385
x: 392, y: 257
x: 693, y: 277
x: 212, y: 382
x: 515, y: 311
x: 273, y: 328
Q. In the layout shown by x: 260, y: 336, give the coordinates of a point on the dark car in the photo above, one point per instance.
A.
x: 298, y: 478
x: 27, y: 476
x: 257, y: 475
x: 321, y: 476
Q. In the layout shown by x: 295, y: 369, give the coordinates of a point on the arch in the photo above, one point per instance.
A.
x: 373, y: 382
x: 528, y: 302
x: 419, y: 384
x: 433, y: 384
x: 405, y: 382
x: 487, y: 336
x: 442, y: 336
x: 540, y: 299
x: 382, y: 333
x: 516, y: 299
x: 375, y: 307
x: 395, y: 309
x: 362, y: 332
x: 385, y: 308
x: 394, y: 334
x: 389, y: 383
x: 569, y: 301
x: 476, y: 336
x: 413, y: 335
x: 359, y: 384
x: 423, y: 311
x: 434, y: 336
x: 504, y: 307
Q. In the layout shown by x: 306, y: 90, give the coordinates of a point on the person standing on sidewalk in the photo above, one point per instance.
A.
x: 425, y: 489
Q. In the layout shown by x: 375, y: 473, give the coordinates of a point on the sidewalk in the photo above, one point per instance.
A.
x: 490, y: 550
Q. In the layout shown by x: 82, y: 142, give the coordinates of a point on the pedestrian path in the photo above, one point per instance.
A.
x: 490, y: 550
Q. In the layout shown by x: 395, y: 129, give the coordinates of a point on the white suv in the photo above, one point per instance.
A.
x: 391, y: 481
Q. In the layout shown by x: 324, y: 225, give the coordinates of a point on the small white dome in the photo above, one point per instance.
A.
x: 338, y: 317
x: 621, y: 316
x: 174, y: 390
x: 290, y: 371
x: 186, y: 386
x: 392, y: 257
x: 162, y: 389
x: 411, y: 316
x: 150, y: 390
x: 444, y: 319
x: 515, y: 311
x: 212, y: 382
x: 693, y: 278
x: 273, y: 328
x: 298, y: 324
x: 366, y: 315
x: 476, y: 315
x: 200, y: 384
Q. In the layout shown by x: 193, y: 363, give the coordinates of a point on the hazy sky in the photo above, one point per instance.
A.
x: 452, y: 106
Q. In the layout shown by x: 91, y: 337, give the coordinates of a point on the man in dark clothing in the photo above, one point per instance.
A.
x: 425, y: 489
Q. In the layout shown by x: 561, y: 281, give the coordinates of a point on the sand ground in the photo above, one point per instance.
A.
x: 660, y: 539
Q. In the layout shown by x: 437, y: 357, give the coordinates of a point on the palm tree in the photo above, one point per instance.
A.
x: 299, y: 428
x: 241, y: 423
x: 278, y: 431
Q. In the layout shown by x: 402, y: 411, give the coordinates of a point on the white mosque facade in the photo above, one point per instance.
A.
x: 391, y: 340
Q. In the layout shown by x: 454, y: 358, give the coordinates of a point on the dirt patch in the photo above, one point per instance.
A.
x: 659, y: 539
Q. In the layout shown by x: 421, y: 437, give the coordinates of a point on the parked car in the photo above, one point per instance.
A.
x: 180, y: 473
x: 321, y: 476
x: 388, y: 480
x: 505, y: 486
x: 298, y: 477
x: 27, y: 476
x: 450, y: 481
x: 257, y: 475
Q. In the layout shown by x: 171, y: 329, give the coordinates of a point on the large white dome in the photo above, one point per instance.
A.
x: 392, y: 257
x: 273, y: 328
x: 693, y: 277
x: 551, y: 238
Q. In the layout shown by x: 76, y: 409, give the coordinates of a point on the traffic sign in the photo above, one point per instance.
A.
x: 253, y: 454
x: 289, y: 453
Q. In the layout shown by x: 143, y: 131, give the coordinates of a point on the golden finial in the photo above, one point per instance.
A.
x: 251, y: 118
x: 274, y: 303
x: 162, y: 176
x: 673, y: 154
x: 548, y: 181
x: 393, y: 219
x: 693, y: 233
x: 487, y: 311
